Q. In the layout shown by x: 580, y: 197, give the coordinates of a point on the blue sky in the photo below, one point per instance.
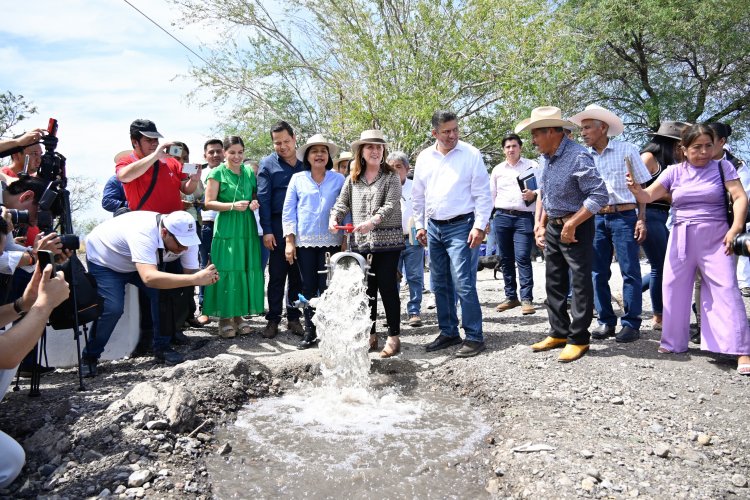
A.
x: 96, y: 65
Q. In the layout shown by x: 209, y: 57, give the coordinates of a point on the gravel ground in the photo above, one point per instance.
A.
x: 623, y: 421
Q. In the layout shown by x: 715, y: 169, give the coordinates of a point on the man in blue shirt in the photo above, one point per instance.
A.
x: 572, y: 191
x: 274, y: 175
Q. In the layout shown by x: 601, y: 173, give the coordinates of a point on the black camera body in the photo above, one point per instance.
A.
x: 739, y: 245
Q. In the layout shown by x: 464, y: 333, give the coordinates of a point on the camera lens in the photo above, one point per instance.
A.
x: 70, y: 241
x: 739, y: 245
x: 19, y: 216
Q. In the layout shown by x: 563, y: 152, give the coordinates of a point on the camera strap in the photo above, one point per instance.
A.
x: 150, y: 189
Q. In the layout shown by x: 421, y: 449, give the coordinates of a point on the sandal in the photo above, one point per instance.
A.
x: 743, y: 368
x: 373, y: 343
x: 227, y: 329
x: 243, y: 326
x: 392, y: 347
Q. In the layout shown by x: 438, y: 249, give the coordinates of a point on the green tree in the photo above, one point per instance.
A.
x: 341, y: 66
x: 13, y: 109
x: 655, y: 60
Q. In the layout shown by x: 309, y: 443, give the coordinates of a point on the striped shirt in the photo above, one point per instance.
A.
x: 570, y: 180
x: 611, y: 166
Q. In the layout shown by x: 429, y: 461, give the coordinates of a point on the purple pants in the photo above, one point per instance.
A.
x: 724, y: 329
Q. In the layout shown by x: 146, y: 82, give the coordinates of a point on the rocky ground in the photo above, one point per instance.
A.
x: 622, y: 422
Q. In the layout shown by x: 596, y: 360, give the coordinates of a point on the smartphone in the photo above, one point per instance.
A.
x: 45, y: 257
x: 174, y: 150
x: 190, y: 168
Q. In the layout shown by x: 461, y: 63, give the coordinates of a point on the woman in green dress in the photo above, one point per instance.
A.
x: 235, y: 251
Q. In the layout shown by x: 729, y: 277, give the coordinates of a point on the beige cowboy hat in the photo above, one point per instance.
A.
x: 673, y: 130
x: 372, y: 136
x: 544, y: 116
x: 318, y: 140
x: 122, y: 154
x: 594, y: 112
x: 344, y: 156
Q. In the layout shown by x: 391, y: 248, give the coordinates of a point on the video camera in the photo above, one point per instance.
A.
x: 54, y: 203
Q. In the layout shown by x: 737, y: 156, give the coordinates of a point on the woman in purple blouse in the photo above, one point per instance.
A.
x: 701, y: 239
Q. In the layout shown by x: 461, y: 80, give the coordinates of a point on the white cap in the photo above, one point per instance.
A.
x: 182, y: 225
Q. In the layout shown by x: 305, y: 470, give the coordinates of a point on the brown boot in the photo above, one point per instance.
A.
x: 271, y: 330
x: 373, y: 342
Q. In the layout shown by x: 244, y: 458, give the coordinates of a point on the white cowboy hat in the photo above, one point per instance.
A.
x: 594, y: 112
x: 369, y: 137
x: 318, y: 140
x: 544, y: 116
x: 344, y: 156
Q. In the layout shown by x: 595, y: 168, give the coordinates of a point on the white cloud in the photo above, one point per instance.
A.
x: 97, y: 66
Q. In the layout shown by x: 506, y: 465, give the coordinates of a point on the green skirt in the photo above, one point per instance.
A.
x: 235, y: 252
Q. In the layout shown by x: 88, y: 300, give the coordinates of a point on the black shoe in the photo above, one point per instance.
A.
x: 441, y: 342
x: 168, y: 356
x: 628, y: 334
x: 25, y: 371
x: 193, y: 322
x: 179, y: 338
x: 308, y: 341
x: 89, y: 368
x: 695, y: 334
x: 602, y: 332
x: 470, y: 348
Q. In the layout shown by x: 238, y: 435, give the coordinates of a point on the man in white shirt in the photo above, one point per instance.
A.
x: 451, y: 197
x: 514, y: 223
x: 412, y: 256
x: 130, y: 249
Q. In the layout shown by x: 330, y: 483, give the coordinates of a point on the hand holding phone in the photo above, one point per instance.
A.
x: 45, y: 257
x: 174, y: 150
x: 190, y: 168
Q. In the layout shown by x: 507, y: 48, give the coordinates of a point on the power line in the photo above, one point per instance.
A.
x: 168, y: 33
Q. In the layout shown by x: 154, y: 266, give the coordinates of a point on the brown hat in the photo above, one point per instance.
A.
x: 673, y: 130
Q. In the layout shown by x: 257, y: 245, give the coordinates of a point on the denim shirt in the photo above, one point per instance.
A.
x: 570, y: 180
x: 307, y: 206
x: 274, y: 175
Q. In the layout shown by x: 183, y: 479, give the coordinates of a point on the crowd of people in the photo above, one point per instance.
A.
x: 221, y: 225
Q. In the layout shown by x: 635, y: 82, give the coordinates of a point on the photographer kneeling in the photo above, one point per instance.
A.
x: 130, y: 249
x: 43, y: 293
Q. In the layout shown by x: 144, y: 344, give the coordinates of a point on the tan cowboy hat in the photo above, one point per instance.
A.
x: 369, y: 137
x: 344, y: 156
x: 594, y: 112
x: 318, y: 140
x: 673, y: 130
x: 122, y: 154
x: 544, y: 116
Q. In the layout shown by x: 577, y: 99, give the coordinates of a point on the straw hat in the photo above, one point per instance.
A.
x: 544, y: 116
x: 673, y: 130
x: 344, y: 156
x: 122, y: 154
x: 594, y: 112
x: 373, y: 136
x: 318, y: 140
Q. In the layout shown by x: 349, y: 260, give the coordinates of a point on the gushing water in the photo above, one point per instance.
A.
x: 343, y: 437
x: 342, y: 318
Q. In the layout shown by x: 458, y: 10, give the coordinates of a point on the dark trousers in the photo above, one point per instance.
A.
x: 278, y: 270
x: 207, y: 237
x: 576, y: 258
x: 385, y: 280
x: 311, y: 260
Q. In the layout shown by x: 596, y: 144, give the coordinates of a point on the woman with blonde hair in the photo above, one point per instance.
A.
x: 372, y: 194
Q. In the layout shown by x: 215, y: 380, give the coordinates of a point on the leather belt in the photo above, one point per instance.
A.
x: 622, y: 207
x: 517, y: 213
x: 559, y: 221
x: 457, y: 218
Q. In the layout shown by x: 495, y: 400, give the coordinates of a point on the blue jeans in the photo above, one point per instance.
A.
x: 655, y: 248
x: 111, y: 288
x: 412, y: 262
x: 491, y: 241
x: 615, y: 232
x: 207, y: 238
x: 453, y: 270
x: 515, y: 236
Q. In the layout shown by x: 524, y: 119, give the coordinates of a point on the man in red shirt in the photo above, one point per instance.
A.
x: 136, y: 172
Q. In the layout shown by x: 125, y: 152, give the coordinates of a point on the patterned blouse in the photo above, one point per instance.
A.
x: 365, y: 200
